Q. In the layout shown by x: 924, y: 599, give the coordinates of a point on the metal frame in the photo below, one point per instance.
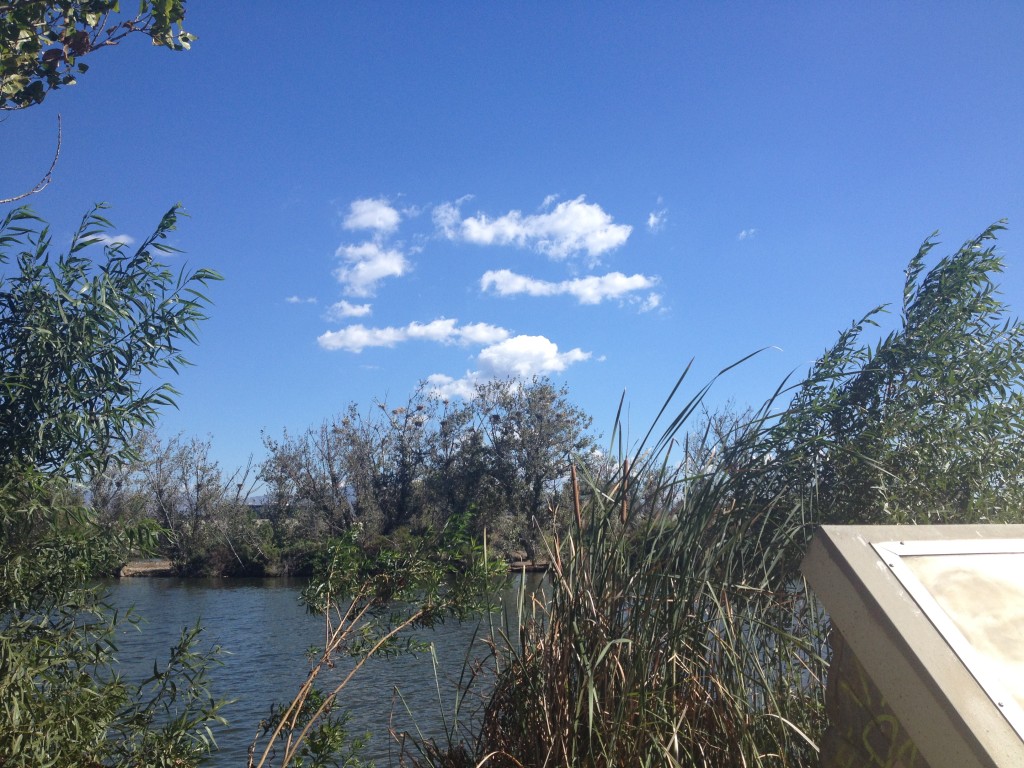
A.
x: 939, y: 702
x: 892, y: 553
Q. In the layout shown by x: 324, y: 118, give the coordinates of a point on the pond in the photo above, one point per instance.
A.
x: 264, y: 633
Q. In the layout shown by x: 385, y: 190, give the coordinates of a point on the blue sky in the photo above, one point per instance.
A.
x: 596, y: 192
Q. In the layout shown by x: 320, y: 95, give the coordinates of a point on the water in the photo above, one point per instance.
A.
x: 265, y: 633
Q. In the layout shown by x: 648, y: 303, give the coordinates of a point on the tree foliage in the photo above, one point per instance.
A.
x: 205, y: 524
x: 62, y: 700
x: 925, y: 425
x: 42, y: 42
x: 501, y: 457
x: 76, y: 336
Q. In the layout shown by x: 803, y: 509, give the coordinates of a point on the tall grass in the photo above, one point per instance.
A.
x: 672, y: 632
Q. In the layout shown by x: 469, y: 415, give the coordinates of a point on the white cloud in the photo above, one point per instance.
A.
x: 447, y: 388
x: 656, y: 220
x: 572, y: 227
x: 517, y: 357
x: 108, y: 240
x: 368, y: 264
x: 482, y: 333
x: 447, y: 217
x: 653, y: 301
x: 441, y: 330
x: 372, y: 213
x: 356, y: 338
x: 342, y: 309
x: 507, y: 283
x: 592, y: 289
x: 300, y: 300
x: 746, y: 234
x: 527, y: 356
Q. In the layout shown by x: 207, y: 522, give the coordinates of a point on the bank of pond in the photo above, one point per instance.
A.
x: 161, y: 567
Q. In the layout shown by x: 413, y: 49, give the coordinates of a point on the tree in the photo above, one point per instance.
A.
x: 527, y: 433
x: 386, y: 460
x: 925, y: 426
x: 42, y: 43
x: 458, y: 480
x: 76, y: 336
x: 306, y: 477
x: 354, y: 468
x: 499, y: 459
x: 205, y: 522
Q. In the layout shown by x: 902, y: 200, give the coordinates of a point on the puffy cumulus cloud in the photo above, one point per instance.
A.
x: 746, y: 234
x: 372, y: 213
x: 482, y: 333
x: 343, y: 308
x: 570, y: 228
x: 368, y: 264
x: 592, y: 289
x: 356, y: 338
x: 448, y: 388
x: 527, y: 356
x: 300, y: 300
x: 440, y: 330
x: 516, y: 357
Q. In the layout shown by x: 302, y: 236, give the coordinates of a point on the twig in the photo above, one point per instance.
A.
x: 43, y: 182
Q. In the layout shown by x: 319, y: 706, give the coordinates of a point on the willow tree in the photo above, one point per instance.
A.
x: 79, y: 331
x: 922, y: 425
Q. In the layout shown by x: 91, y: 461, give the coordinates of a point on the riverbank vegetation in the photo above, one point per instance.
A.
x: 77, y: 332
x: 391, y: 473
x: 919, y: 426
x: 675, y: 629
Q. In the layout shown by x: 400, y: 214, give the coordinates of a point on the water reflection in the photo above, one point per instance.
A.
x: 265, y: 634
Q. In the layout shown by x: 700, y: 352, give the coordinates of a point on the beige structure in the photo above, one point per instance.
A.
x: 928, y: 644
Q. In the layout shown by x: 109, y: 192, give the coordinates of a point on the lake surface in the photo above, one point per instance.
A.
x: 265, y: 633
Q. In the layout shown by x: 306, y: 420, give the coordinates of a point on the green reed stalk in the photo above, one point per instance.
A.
x: 672, y: 632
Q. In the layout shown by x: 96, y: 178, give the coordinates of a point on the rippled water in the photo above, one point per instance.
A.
x: 265, y: 633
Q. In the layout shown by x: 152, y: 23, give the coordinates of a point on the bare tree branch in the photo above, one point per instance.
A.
x: 45, y: 181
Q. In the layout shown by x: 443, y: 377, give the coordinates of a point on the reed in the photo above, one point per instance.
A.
x: 672, y: 632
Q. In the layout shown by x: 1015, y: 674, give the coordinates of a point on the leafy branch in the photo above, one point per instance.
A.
x: 370, y: 601
x: 42, y: 43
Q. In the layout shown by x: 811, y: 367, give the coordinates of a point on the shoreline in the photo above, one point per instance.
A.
x: 155, y: 568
